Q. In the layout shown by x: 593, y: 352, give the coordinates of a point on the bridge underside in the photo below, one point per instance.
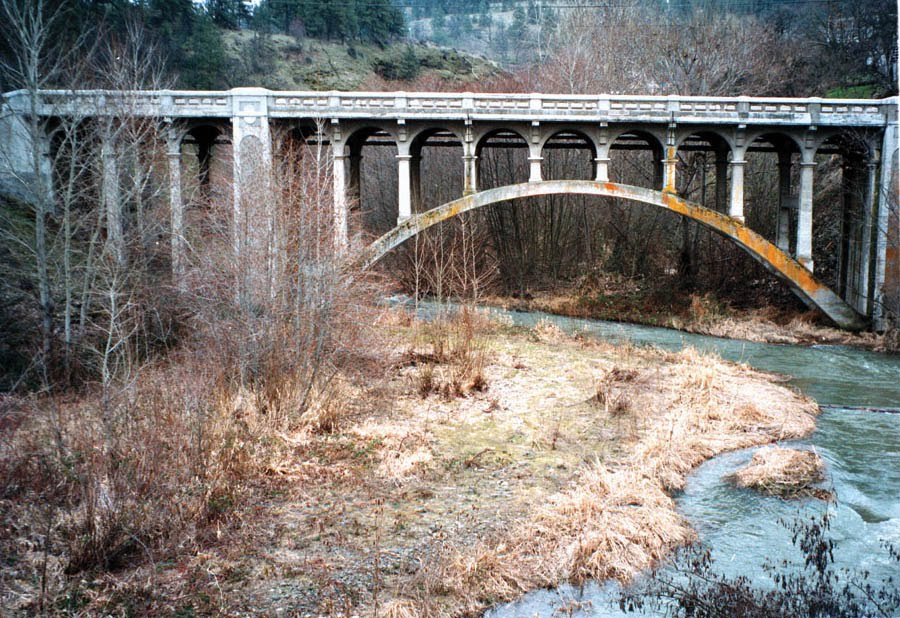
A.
x: 799, y: 279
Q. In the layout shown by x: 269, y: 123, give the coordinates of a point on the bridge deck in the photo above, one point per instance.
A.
x: 467, y: 106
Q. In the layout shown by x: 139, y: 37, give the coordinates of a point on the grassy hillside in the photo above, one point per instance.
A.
x: 282, y: 62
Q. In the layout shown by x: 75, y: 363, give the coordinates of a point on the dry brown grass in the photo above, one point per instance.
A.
x: 611, y: 393
x: 153, y: 472
x: 106, y: 482
x: 783, y: 472
x: 465, y: 501
x: 450, y: 353
x: 614, y: 520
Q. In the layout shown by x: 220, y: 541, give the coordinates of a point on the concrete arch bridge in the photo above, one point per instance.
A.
x: 241, y: 131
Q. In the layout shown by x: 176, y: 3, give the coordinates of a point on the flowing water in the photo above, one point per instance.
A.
x: 861, y: 450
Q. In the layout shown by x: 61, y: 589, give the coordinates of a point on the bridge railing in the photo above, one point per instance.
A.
x: 462, y: 106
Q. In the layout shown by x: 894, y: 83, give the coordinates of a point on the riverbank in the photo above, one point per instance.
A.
x: 698, y: 314
x: 554, y: 460
x: 489, y: 460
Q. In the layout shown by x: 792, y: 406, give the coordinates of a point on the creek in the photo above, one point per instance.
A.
x: 742, y: 527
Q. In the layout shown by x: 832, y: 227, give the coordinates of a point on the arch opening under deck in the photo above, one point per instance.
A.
x: 776, y: 261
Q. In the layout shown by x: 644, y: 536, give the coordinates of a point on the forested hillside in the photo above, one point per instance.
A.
x: 839, y: 48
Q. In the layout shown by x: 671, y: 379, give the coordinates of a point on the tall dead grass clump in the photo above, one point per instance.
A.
x: 611, y: 393
x: 451, y: 353
x: 783, y: 472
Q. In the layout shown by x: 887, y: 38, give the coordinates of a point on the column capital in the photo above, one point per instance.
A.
x: 737, y: 163
x: 404, y: 157
x: 808, y: 164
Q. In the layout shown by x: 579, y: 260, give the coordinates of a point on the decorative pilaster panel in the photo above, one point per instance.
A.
x: 254, y: 207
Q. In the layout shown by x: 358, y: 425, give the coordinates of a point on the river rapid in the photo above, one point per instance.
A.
x: 861, y: 450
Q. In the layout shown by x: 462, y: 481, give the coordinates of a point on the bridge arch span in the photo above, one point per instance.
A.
x: 564, y: 137
x: 563, y: 130
x: 652, y: 152
x: 783, y: 140
x: 420, y: 136
x: 655, y: 139
x: 715, y: 139
x: 798, y: 278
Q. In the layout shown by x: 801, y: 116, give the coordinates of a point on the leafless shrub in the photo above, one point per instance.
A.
x: 453, y: 348
x: 609, y: 393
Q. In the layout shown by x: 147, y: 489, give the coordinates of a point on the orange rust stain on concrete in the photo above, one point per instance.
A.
x: 779, y: 261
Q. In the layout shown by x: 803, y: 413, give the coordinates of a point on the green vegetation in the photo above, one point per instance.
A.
x: 283, y: 62
x: 377, y: 21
